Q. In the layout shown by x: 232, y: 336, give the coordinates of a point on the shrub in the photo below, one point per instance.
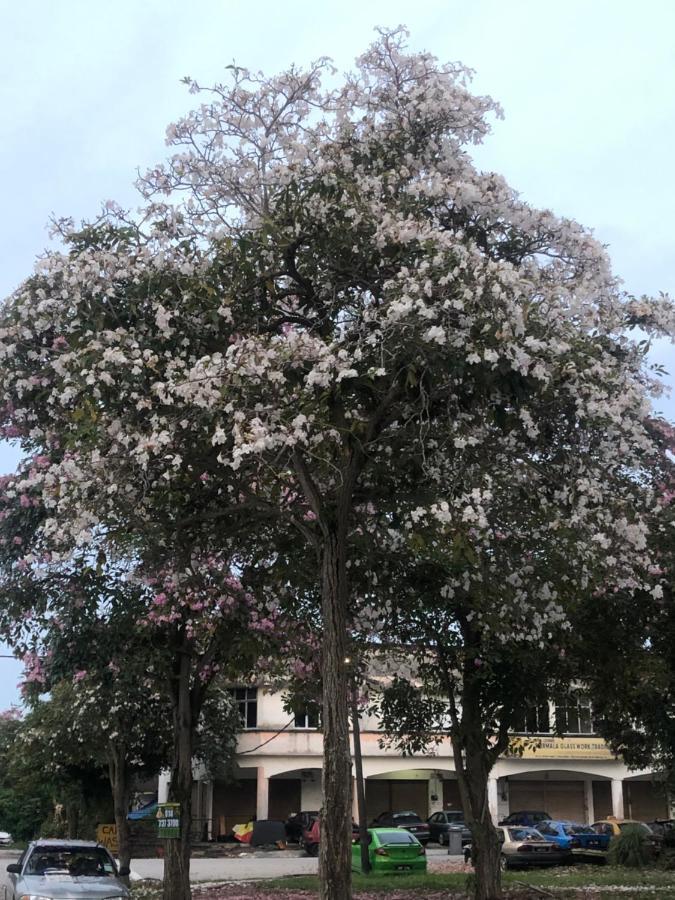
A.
x: 629, y: 849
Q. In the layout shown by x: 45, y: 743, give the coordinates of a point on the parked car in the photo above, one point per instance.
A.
x: 391, y: 850
x: 408, y: 820
x: 574, y: 836
x: 312, y: 835
x: 298, y: 822
x: 662, y: 826
x: 441, y: 823
x: 52, y: 869
x: 523, y: 846
x: 6, y: 838
x: 613, y: 828
x: 526, y: 817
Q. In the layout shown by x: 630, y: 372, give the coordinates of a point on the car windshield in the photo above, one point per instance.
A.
x: 578, y: 829
x: 397, y: 837
x: 525, y: 834
x: 406, y: 818
x: 74, y: 861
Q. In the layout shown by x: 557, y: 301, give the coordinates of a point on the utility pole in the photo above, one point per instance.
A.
x: 360, y: 784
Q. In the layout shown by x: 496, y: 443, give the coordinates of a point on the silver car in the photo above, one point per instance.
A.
x: 57, y: 869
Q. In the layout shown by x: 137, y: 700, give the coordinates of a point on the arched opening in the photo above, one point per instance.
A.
x: 234, y: 802
x: 645, y: 798
x: 294, y: 791
x: 423, y: 791
x: 562, y: 793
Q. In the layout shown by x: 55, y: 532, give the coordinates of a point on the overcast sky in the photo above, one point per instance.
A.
x: 588, y: 91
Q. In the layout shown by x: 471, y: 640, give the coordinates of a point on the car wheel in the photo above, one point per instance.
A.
x: 503, y: 863
x: 441, y: 839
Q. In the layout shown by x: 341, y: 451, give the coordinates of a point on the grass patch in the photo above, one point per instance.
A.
x: 583, y: 876
x: 380, y: 883
x: 558, y: 879
x: 146, y: 890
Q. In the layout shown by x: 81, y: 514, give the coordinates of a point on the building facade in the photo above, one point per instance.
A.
x: 573, y: 776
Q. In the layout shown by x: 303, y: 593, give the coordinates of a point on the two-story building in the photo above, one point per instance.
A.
x: 573, y: 776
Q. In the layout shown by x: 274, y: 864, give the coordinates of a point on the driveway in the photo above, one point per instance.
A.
x: 249, y: 867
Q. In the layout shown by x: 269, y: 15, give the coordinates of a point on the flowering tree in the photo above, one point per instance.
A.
x: 631, y: 673
x: 114, y: 710
x: 327, y: 321
x: 26, y: 795
x: 139, y: 647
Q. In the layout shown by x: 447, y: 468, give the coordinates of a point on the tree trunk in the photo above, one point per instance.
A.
x: 473, y: 764
x: 336, y: 819
x: 73, y: 818
x: 121, y: 790
x: 177, y: 850
x: 485, y: 844
x: 360, y: 787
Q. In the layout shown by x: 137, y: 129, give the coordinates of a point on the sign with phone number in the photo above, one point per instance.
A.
x: 168, y: 820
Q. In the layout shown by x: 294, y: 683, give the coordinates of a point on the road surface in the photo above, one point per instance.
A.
x: 231, y: 868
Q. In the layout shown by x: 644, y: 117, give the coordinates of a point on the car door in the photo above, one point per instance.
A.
x: 12, y: 877
x: 434, y: 823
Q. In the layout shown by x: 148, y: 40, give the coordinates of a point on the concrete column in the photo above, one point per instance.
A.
x: 670, y: 799
x: 355, y: 802
x: 493, y: 799
x: 262, y: 795
x: 617, y: 798
x: 588, y: 800
x: 163, y: 785
x: 208, y: 811
x: 435, y: 790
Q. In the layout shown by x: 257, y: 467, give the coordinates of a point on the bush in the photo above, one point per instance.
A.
x: 629, y: 849
x: 666, y: 859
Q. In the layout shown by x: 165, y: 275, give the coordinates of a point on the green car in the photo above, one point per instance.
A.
x: 391, y: 850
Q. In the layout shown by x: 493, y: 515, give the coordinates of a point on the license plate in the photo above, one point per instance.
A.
x: 406, y: 868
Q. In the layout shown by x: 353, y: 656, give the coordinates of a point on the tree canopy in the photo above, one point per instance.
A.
x: 327, y: 322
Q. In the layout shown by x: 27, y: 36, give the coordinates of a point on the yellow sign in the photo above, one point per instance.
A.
x: 560, y: 748
x: 107, y: 835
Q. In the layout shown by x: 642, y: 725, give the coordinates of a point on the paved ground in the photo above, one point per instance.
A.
x: 239, y: 868
x: 249, y: 867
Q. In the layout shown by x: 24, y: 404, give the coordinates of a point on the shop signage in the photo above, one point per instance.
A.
x: 560, y: 748
x: 168, y: 820
x: 107, y: 835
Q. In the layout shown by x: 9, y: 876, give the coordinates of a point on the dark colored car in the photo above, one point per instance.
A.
x: 408, y: 820
x: 663, y: 827
x: 312, y: 835
x: 527, y: 817
x: 299, y: 822
x: 441, y: 823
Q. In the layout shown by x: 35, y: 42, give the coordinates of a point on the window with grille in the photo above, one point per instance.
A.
x: 246, y: 699
x: 533, y: 720
x: 306, y: 719
x: 574, y: 715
